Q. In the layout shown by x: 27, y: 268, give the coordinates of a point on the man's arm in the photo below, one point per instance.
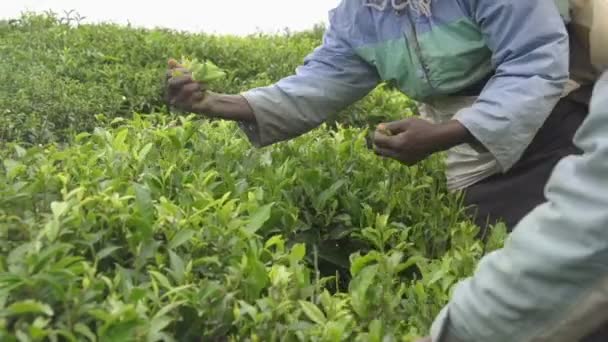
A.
x: 550, y: 281
x: 331, y: 78
x: 530, y: 52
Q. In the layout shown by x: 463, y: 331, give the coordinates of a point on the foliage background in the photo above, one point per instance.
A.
x: 120, y: 220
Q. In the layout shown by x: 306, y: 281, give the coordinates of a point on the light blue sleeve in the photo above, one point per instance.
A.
x: 564, y: 9
x: 330, y: 79
x: 530, y: 46
x: 550, y: 281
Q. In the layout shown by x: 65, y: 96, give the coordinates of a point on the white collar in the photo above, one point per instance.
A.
x: 419, y: 6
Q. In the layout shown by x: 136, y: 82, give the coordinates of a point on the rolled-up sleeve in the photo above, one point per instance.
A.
x: 331, y: 78
x: 530, y: 46
x: 550, y: 281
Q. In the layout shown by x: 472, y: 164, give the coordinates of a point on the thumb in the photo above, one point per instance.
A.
x: 395, y: 127
x: 173, y: 64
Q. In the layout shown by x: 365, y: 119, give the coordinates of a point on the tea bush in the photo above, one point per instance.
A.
x: 121, y: 221
x: 56, y: 75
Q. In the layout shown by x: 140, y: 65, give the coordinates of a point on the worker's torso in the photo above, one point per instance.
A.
x: 440, y: 58
x: 424, y: 56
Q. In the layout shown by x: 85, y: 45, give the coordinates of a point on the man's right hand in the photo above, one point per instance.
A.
x: 193, y: 97
x: 183, y: 92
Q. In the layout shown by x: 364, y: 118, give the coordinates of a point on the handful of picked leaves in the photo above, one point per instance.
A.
x: 384, y: 130
x: 200, y: 71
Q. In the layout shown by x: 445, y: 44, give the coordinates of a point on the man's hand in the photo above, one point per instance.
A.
x: 184, y: 93
x: 426, y: 339
x: 190, y: 96
x: 412, y: 140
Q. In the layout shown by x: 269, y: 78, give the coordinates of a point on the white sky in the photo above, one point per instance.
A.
x: 212, y: 16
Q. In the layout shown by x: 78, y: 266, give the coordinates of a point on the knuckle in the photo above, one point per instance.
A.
x: 174, y: 83
x: 396, y: 142
x: 193, y: 87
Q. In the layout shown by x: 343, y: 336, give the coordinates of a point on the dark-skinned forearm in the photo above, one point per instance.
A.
x: 453, y: 133
x: 228, y: 107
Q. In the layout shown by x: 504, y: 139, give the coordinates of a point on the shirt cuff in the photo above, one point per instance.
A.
x: 253, y: 130
x: 441, y: 330
x: 504, y: 154
x: 278, y: 117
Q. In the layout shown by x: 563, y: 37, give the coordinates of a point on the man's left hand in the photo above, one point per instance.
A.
x: 412, y: 140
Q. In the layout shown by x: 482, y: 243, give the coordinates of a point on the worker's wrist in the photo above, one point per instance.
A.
x: 208, y: 105
x: 227, y: 107
x: 450, y: 134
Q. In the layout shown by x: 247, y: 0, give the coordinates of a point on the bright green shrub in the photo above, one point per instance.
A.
x: 122, y: 227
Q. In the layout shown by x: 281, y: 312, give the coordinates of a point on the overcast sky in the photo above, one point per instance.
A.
x: 213, y: 16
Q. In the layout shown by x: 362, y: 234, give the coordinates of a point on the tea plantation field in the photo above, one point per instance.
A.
x: 121, y: 220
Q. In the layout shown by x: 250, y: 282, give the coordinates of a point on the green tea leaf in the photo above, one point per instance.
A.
x: 178, y: 267
x: 358, y: 289
x: 164, y: 281
x: 85, y: 331
x: 328, y: 193
x: 120, y: 331
x: 259, y: 217
x: 168, y: 308
x: 360, y: 262
x: 119, y: 140
x: 204, y: 71
x: 13, y: 168
x: 20, y: 151
x: 156, y: 326
x: 277, y: 241
x: 180, y: 238
x: 298, y: 251
x: 144, y: 205
x: 313, y: 312
x: 59, y: 208
x: 107, y: 251
x: 29, y: 307
x: 144, y: 152
x: 257, y: 277
x: 375, y: 331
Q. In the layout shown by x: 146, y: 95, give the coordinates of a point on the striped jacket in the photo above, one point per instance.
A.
x: 514, y: 51
x: 550, y: 281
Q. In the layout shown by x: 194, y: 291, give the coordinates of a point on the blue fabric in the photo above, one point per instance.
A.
x: 550, y: 281
x: 529, y: 46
